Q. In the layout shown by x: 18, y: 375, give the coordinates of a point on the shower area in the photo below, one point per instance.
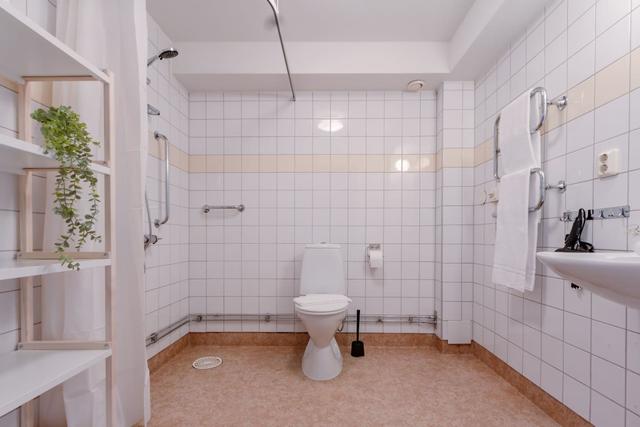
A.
x: 253, y: 176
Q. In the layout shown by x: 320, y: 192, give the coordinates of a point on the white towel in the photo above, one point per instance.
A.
x: 514, y: 260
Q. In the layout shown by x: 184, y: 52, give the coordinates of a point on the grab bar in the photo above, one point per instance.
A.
x: 158, y: 136
x: 208, y: 208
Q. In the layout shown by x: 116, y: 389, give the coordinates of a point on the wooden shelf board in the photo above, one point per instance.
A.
x: 77, y: 256
x: 26, y: 374
x: 17, y: 155
x: 29, y: 50
x: 15, y: 269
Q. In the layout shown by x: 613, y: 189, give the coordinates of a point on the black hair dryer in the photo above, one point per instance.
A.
x: 572, y: 241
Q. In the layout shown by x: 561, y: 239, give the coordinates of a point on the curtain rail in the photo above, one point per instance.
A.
x: 284, y: 52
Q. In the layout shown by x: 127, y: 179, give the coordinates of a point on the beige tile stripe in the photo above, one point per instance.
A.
x: 311, y: 163
x: 613, y: 81
x: 294, y: 163
x: 308, y: 163
x: 448, y: 158
x: 455, y: 158
x: 483, y: 152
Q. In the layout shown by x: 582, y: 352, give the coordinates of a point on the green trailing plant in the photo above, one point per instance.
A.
x: 67, y: 137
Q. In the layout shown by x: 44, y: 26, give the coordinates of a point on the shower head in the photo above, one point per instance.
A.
x: 163, y: 54
x: 168, y: 54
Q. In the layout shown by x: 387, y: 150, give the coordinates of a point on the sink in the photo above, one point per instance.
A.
x: 613, y: 275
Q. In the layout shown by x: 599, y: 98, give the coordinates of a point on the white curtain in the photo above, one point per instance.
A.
x: 113, y: 35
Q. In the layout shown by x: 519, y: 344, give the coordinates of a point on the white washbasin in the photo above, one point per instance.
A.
x: 613, y: 275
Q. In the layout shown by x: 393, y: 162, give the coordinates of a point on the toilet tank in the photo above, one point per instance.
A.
x: 322, y: 270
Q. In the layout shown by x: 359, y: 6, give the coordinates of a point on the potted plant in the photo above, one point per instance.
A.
x: 70, y: 142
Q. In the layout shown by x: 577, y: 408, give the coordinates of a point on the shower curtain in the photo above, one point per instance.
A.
x: 113, y: 35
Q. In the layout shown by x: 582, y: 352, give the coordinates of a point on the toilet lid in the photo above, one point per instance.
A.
x: 320, y: 303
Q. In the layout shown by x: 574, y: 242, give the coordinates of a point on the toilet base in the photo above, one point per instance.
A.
x: 324, y: 363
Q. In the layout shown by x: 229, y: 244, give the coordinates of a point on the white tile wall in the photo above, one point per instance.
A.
x: 166, y: 273
x: 250, y: 262
x: 579, y: 347
x: 454, y: 211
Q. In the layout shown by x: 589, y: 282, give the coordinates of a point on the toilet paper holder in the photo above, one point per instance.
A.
x: 374, y: 247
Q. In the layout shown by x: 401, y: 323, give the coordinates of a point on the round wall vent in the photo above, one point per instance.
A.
x: 415, y: 85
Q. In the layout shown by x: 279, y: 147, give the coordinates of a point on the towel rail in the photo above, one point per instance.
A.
x: 542, y: 187
x: 560, y: 103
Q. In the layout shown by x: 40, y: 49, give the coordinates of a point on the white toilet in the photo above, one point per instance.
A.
x: 322, y: 307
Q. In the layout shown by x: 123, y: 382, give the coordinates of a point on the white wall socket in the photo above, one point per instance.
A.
x: 607, y: 163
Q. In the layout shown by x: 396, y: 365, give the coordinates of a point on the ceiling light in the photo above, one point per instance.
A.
x: 330, y: 125
x: 415, y: 85
x: 402, y: 165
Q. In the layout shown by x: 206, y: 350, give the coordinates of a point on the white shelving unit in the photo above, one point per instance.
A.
x: 16, y: 156
x: 29, y: 373
x: 14, y: 269
x: 30, y: 50
x: 33, y: 55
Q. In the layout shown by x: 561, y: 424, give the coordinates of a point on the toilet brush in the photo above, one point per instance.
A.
x: 357, y: 347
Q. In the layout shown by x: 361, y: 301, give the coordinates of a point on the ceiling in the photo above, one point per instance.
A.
x: 338, y: 44
x: 309, y: 20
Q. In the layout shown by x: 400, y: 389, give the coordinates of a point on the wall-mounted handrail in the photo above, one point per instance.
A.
x: 275, y: 11
x: 158, y: 222
x: 209, y: 208
x: 149, y: 238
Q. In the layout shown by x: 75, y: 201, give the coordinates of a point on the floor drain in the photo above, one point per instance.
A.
x: 208, y: 362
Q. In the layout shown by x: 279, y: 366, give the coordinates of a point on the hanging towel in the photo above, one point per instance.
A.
x: 517, y: 229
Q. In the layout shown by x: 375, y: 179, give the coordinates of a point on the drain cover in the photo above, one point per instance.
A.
x: 207, y: 362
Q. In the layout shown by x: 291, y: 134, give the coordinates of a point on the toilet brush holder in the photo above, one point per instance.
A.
x: 357, y: 346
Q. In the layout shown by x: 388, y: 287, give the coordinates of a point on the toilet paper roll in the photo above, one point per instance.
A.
x: 375, y: 258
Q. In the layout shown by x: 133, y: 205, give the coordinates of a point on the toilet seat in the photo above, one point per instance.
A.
x: 321, y: 304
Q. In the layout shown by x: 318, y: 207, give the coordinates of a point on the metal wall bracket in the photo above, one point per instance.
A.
x: 152, y: 111
x: 601, y: 213
x: 560, y: 102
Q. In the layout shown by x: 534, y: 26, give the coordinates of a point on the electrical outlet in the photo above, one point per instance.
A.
x: 607, y: 163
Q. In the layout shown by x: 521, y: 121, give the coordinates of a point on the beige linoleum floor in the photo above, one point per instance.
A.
x: 390, y: 386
